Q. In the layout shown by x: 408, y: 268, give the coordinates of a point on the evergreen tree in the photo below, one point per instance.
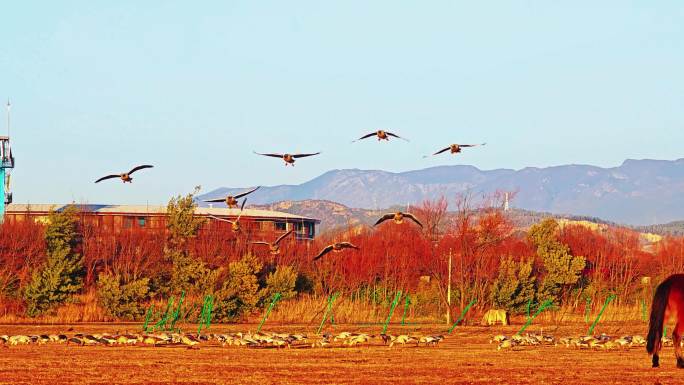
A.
x: 514, y: 287
x: 561, y: 269
x: 188, y: 273
x: 62, y: 275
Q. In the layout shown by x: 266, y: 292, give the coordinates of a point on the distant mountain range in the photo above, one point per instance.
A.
x: 638, y: 192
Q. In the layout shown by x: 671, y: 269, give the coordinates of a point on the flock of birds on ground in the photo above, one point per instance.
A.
x: 251, y: 340
x: 232, y: 200
x: 325, y: 340
x: 600, y: 342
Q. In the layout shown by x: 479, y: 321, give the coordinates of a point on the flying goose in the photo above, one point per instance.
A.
x: 125, y: 177
x: 231, y: 200
x: 381, y: 134
x: 234, y: 225
x: 274, y: 248
x: 455, y: 148
x: 336, y: 247
x: 288, y: 158
x: 398, y: 218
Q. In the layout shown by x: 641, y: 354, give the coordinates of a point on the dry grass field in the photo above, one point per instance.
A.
x: 465, y: 357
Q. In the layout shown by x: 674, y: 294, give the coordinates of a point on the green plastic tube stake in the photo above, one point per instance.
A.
x: 205, y: 314
x: 541, y: 308
x: 463, y: 313
x: 598, y: 317
x: 328, y: 309
x: 210, y: 309
x: 397, y: 297
x: 161, y: 324
x: 406, y: 306
x: 529, y: 304
x: 276, y: 297
x: 148, y: 316
x: 176, y: 313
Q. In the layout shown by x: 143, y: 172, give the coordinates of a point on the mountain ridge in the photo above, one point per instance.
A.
x: 637, y: 192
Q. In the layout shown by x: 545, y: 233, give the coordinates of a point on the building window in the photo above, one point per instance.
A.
x: 281, y: 226
x: 128, y: 222
x: 263, y: 225
x: 141, y: 221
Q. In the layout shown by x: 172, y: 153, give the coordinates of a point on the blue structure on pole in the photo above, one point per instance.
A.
x: 6, y: 164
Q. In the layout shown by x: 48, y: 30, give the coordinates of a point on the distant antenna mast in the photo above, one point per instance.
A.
x: 8, y: 117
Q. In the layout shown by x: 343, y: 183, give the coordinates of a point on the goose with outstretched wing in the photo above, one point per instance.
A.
x: 289, y: 159
x: 335, y: 247
x: 398, y: 218
x: 274, y: 248
x: 232, y: 200
x: 234, y: 225
x: 381, y: 134
x: 126, y: 176
x: 455, y: 148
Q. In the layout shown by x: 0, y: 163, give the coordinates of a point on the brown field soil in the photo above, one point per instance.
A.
x: 465, y: 357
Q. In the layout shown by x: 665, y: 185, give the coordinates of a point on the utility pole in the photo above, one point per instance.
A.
x: 448, y: 314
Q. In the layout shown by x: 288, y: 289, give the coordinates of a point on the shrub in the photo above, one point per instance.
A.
x: 62, y: 275
x: 122, y: 299
x: 281, y: 281
x: 191, y: 275
x: 240, y: 292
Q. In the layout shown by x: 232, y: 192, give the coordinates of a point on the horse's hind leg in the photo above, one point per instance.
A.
x: 677, y: 341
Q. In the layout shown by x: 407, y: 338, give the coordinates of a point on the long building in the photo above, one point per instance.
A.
x: 121, y: 217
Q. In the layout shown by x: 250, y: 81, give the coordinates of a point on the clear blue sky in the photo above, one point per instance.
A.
x: 194, y: 87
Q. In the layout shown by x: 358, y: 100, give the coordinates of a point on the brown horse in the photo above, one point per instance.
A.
x: 668, y: 303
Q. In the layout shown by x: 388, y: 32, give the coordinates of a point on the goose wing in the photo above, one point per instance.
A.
x: 384, y: 218
x: 395, y: 135
x: 413, y: 218
x: 471, y: 145
x: 366, y: 136
x: 323, y: 252
x: 245, y: 193
x: 442, y: 150
x: 221, y: 219
x: 136, y: 168
x: 260, y: 243
x: 215, y: 200
x: 348, y: 245
x: 280, y: 238
x: 271, y: 155
x: 304, y: 155
x: 108, y: 177
x: 242, y: 208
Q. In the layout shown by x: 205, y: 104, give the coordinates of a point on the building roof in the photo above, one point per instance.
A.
x: 153, y: 209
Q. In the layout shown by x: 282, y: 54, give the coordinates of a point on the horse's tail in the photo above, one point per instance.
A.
x: 655, y: 325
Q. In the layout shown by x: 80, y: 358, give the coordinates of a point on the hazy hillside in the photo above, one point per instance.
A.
x: 335, y: 215
x: 638, y: 192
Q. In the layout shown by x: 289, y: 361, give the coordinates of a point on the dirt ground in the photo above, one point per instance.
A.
x: 465, y: 357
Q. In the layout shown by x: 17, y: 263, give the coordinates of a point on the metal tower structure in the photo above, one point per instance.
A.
x: 6, y: 165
